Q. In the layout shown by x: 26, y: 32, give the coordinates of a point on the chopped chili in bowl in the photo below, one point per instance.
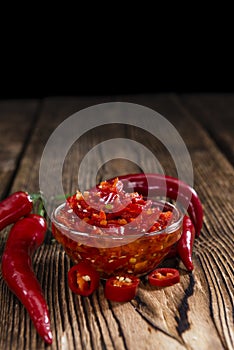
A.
x: 116, y: 231
x: 110, y: 208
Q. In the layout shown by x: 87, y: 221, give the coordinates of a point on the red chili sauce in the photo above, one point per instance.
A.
x: 107, y: 210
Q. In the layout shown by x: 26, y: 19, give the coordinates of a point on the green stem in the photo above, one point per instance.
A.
x: 35, y: 196
x: 38, y: 201
x: 41, y: 209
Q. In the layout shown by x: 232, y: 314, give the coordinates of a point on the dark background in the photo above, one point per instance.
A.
x: 186, y: 66
x: 35, y: 80
x: 87, y: 81
x: 182, y: 50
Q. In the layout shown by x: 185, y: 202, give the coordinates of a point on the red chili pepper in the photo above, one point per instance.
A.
x: 164, y: 277
x: 14, y: 207
x: 185, y: 243
x: 83, y: 279
x: 121, y: 288
x: 25, y: 237
x: 174, y: 188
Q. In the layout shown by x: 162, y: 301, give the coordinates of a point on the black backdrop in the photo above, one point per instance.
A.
x: 34, y: 85
x: 189, y: 51
x: 30, y: 76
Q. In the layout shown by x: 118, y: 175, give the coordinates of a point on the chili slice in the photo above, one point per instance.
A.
x: 121, y: 288
x: 163, y: 277
x: 83, y: 279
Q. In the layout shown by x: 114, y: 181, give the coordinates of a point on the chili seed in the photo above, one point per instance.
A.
x: 79, y: 195
x: 128, y: 280
x: 86, y: 194
x: 103, y: 222
x: 86, y: 278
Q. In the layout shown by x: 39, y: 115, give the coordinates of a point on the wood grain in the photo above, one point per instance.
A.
x: 195, y: 314
x: 216, y: 114
x: 17, y: 119
x: 211, y: 172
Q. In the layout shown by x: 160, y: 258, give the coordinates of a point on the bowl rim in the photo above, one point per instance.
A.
x: 76, y: 234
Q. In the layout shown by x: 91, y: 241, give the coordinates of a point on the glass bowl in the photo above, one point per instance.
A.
x: 112, y: 254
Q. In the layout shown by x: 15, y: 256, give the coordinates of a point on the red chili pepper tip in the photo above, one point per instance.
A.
x: 185, y: 243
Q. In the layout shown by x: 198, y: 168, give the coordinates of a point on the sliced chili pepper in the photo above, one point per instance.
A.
x: 174, y: 188
x: 83, y: 279
x: 121, y: 288
x: 14, y: 207
x: 163, y: 277
x: 185, y: 243
x: 25, y: 236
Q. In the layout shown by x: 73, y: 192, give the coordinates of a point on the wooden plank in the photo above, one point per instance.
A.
x: 17, y: 119
x: 193, y: 314
x: 218, y: 209
x: 214, y: 182
x: 53, y: 112
x: 215, y: 112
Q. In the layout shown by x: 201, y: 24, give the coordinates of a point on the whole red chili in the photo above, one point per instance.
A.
x: 14, y: 207
x: 185, y: 243
x: 24, y: 238
x: 187, y: 196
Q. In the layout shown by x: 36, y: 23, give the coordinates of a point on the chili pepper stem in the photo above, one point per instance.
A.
x: 38, y: 199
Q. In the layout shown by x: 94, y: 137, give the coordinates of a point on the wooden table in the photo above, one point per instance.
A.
x: 198, y: 312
